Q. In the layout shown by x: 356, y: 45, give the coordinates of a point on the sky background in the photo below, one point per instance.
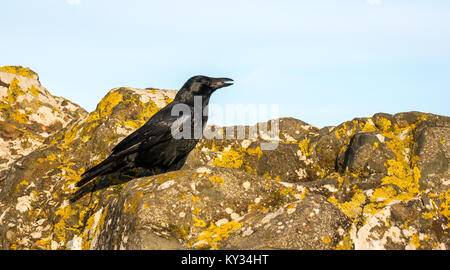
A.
x: 322, y: 61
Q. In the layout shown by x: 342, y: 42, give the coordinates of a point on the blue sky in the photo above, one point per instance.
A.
x: 322, y: 61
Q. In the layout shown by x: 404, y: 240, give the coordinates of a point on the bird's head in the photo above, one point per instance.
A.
x: 203, y: 86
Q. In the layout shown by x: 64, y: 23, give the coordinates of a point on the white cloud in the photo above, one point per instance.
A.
x: 374, y: 2
x: 73, y: 2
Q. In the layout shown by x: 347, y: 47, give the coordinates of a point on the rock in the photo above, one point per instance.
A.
x: 213, y: 207
x: 432, y: 157
x: 432, y: 147
x: 290, y: 161
x: 379, y: 182
x: 29, y: 114
x: 396, y: 209
x: 401, y: 225
x: 310, y: 223
x: 38, y: 186
x: 366, y: 154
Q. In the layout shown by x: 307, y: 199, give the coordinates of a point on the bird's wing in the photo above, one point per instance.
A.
x: 156, y: 130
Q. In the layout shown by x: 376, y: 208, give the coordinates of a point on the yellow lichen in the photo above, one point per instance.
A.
x: 20, y: 118
x: 199, y: 222
x: 375, y: 145
x: 368, y: 126
x: 18, y: 70
x: 286, y: 190
x: 444, y: 208
x: 352, y: 208
x: 341, y: 132
x: 415, y: 240
x: 346, y: 243
x: 290, y: 206
x: 217, y: 180
x: 90, y: 230
x: 213, y: 235
x: 229, y: 159
x: 14, y: 91
x: 326, y: 240
x: 132, y: 124
x: 33, y: 90
x: 44, y: 243
x: 104, y: 108
x: 429, y: 215
x: 384, y: 124
x: 61, y: 227
x: 196, y: 210
x: 304, y: 147
x: 402, y: 176
x: 383, y: 193
x: 255, y: 152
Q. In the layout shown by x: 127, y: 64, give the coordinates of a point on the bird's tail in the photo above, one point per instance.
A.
x: 105, y: 167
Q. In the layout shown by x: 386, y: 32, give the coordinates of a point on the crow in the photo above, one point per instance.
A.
x: 153, y: 146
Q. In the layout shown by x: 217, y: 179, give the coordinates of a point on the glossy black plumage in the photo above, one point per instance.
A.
x: 152, y: 146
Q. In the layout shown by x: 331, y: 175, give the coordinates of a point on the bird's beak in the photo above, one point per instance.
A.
x: 217, y: 83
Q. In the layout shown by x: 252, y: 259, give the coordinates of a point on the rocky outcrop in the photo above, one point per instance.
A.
x: 213, y: 207
x: 388, y: 174
x: 34, y: 195
x: 29, y: 114
x: 370, y: 183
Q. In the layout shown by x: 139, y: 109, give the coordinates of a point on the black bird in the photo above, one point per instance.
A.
x: 153, y: 146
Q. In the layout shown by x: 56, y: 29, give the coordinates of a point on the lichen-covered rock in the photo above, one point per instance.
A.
x: 213, y: 207
x: 29, y: 114
x: 365, y: 167
x: 309, y: 223
x: 380, y: 182
x: 399, y: 208
x: 291, y: 161
x: 35, y: 206
x: 366, y: 154
x: 432, y: 148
